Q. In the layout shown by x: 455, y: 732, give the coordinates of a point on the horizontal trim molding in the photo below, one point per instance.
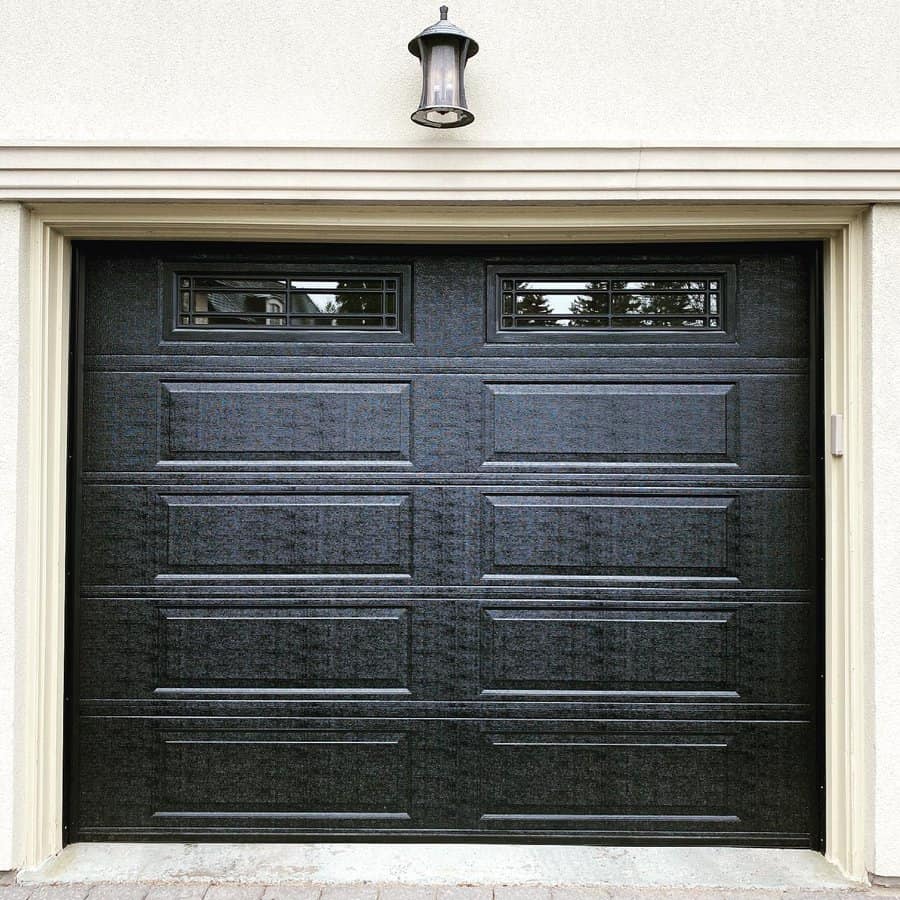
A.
x: 450, y: 173
x: 440, y: 221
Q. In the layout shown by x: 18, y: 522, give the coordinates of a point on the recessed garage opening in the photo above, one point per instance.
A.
x: 489, y: 542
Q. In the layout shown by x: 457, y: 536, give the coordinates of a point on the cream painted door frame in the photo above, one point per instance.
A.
x: 840, y: 228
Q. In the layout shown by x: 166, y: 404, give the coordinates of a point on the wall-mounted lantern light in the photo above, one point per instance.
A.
x: 444, y: 50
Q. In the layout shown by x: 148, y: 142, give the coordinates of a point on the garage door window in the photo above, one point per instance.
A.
x: 535, y: 305
x: 289, y: 302
x: 310, y: 305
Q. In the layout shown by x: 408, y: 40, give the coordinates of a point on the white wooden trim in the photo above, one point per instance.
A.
x: 47, y: 365
x: 443, y: 222
x: 841, y: 228
x: 450, y: 173
x: 846, y: 606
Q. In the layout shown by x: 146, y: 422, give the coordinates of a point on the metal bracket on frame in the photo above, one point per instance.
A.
x: 837, y: 434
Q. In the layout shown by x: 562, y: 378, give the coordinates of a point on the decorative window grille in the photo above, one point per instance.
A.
x: 289, y: 302
x: 610, y: 303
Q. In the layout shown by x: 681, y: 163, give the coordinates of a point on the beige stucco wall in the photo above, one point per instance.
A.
x: 590, y: 72
x: 884, y: 248
x: 12, y: 482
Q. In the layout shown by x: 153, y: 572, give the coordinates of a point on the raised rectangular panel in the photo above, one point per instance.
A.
x: 290, y: 534
x: 596, y: 535
x: 255, y: 772
x: 608, y: 423
x: 584, y: 778
x: 551, y: 651
x: 283, y: 775
x: 657, y: 778
x: 659, y: 650
x: 259, y: 644
x: 220, y: 421
x: 328, y: 650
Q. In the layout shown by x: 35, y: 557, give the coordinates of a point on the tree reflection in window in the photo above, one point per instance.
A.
x: 661, y: 302
x: 289, y: 301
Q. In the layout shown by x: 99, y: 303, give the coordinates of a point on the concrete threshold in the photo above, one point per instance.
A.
x: 441, y: 864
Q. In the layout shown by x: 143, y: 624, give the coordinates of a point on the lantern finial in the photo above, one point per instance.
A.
x: 444, y: 11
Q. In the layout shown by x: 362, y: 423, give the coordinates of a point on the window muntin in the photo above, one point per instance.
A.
x: 293, y: 302
x: 611, y: 303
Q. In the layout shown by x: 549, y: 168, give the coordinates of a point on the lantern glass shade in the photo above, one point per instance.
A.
x: 443, y: 50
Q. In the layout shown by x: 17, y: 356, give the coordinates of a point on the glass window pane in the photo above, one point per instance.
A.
x: 326, y: 322
x: 290, y: 301
x: 538, y: 304
x: 562, y: 322
x: 605, y: 303
x: 330, y: 284
x: 562, y: 285
x: 336, y: 303
x: 659, y: 284
x: 658, y: 304
x: 660, y: 322
x: 237, y: 302
x: 205, y: 283
x: 254, y: 321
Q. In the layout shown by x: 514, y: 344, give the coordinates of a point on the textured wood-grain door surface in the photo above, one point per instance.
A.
x: 505, y: 542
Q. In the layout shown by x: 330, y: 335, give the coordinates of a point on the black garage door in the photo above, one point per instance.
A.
x: 482, y: 541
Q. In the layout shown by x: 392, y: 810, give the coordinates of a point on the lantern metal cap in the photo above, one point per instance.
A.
x: 442, y: 26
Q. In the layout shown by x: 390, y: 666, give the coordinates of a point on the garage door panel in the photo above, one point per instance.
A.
x: 772, y: 291
x: 429, y: 650
x: 661, y: 653
x: 397, y: 423
x: 138, y: 535
x: 610, y: 422
x: 168, y: 775
x: 238, y: 535
x: 650, y: 425
x: 296, y: 421
x: 144, y: 649
x: 684, y: 777
x: 341, y: 651
x: 608, y: 536
x: 327, y: 534
x: 226, y: 422
x: 360, y: 776
x: 610, y: 778
x: 751, y: 539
